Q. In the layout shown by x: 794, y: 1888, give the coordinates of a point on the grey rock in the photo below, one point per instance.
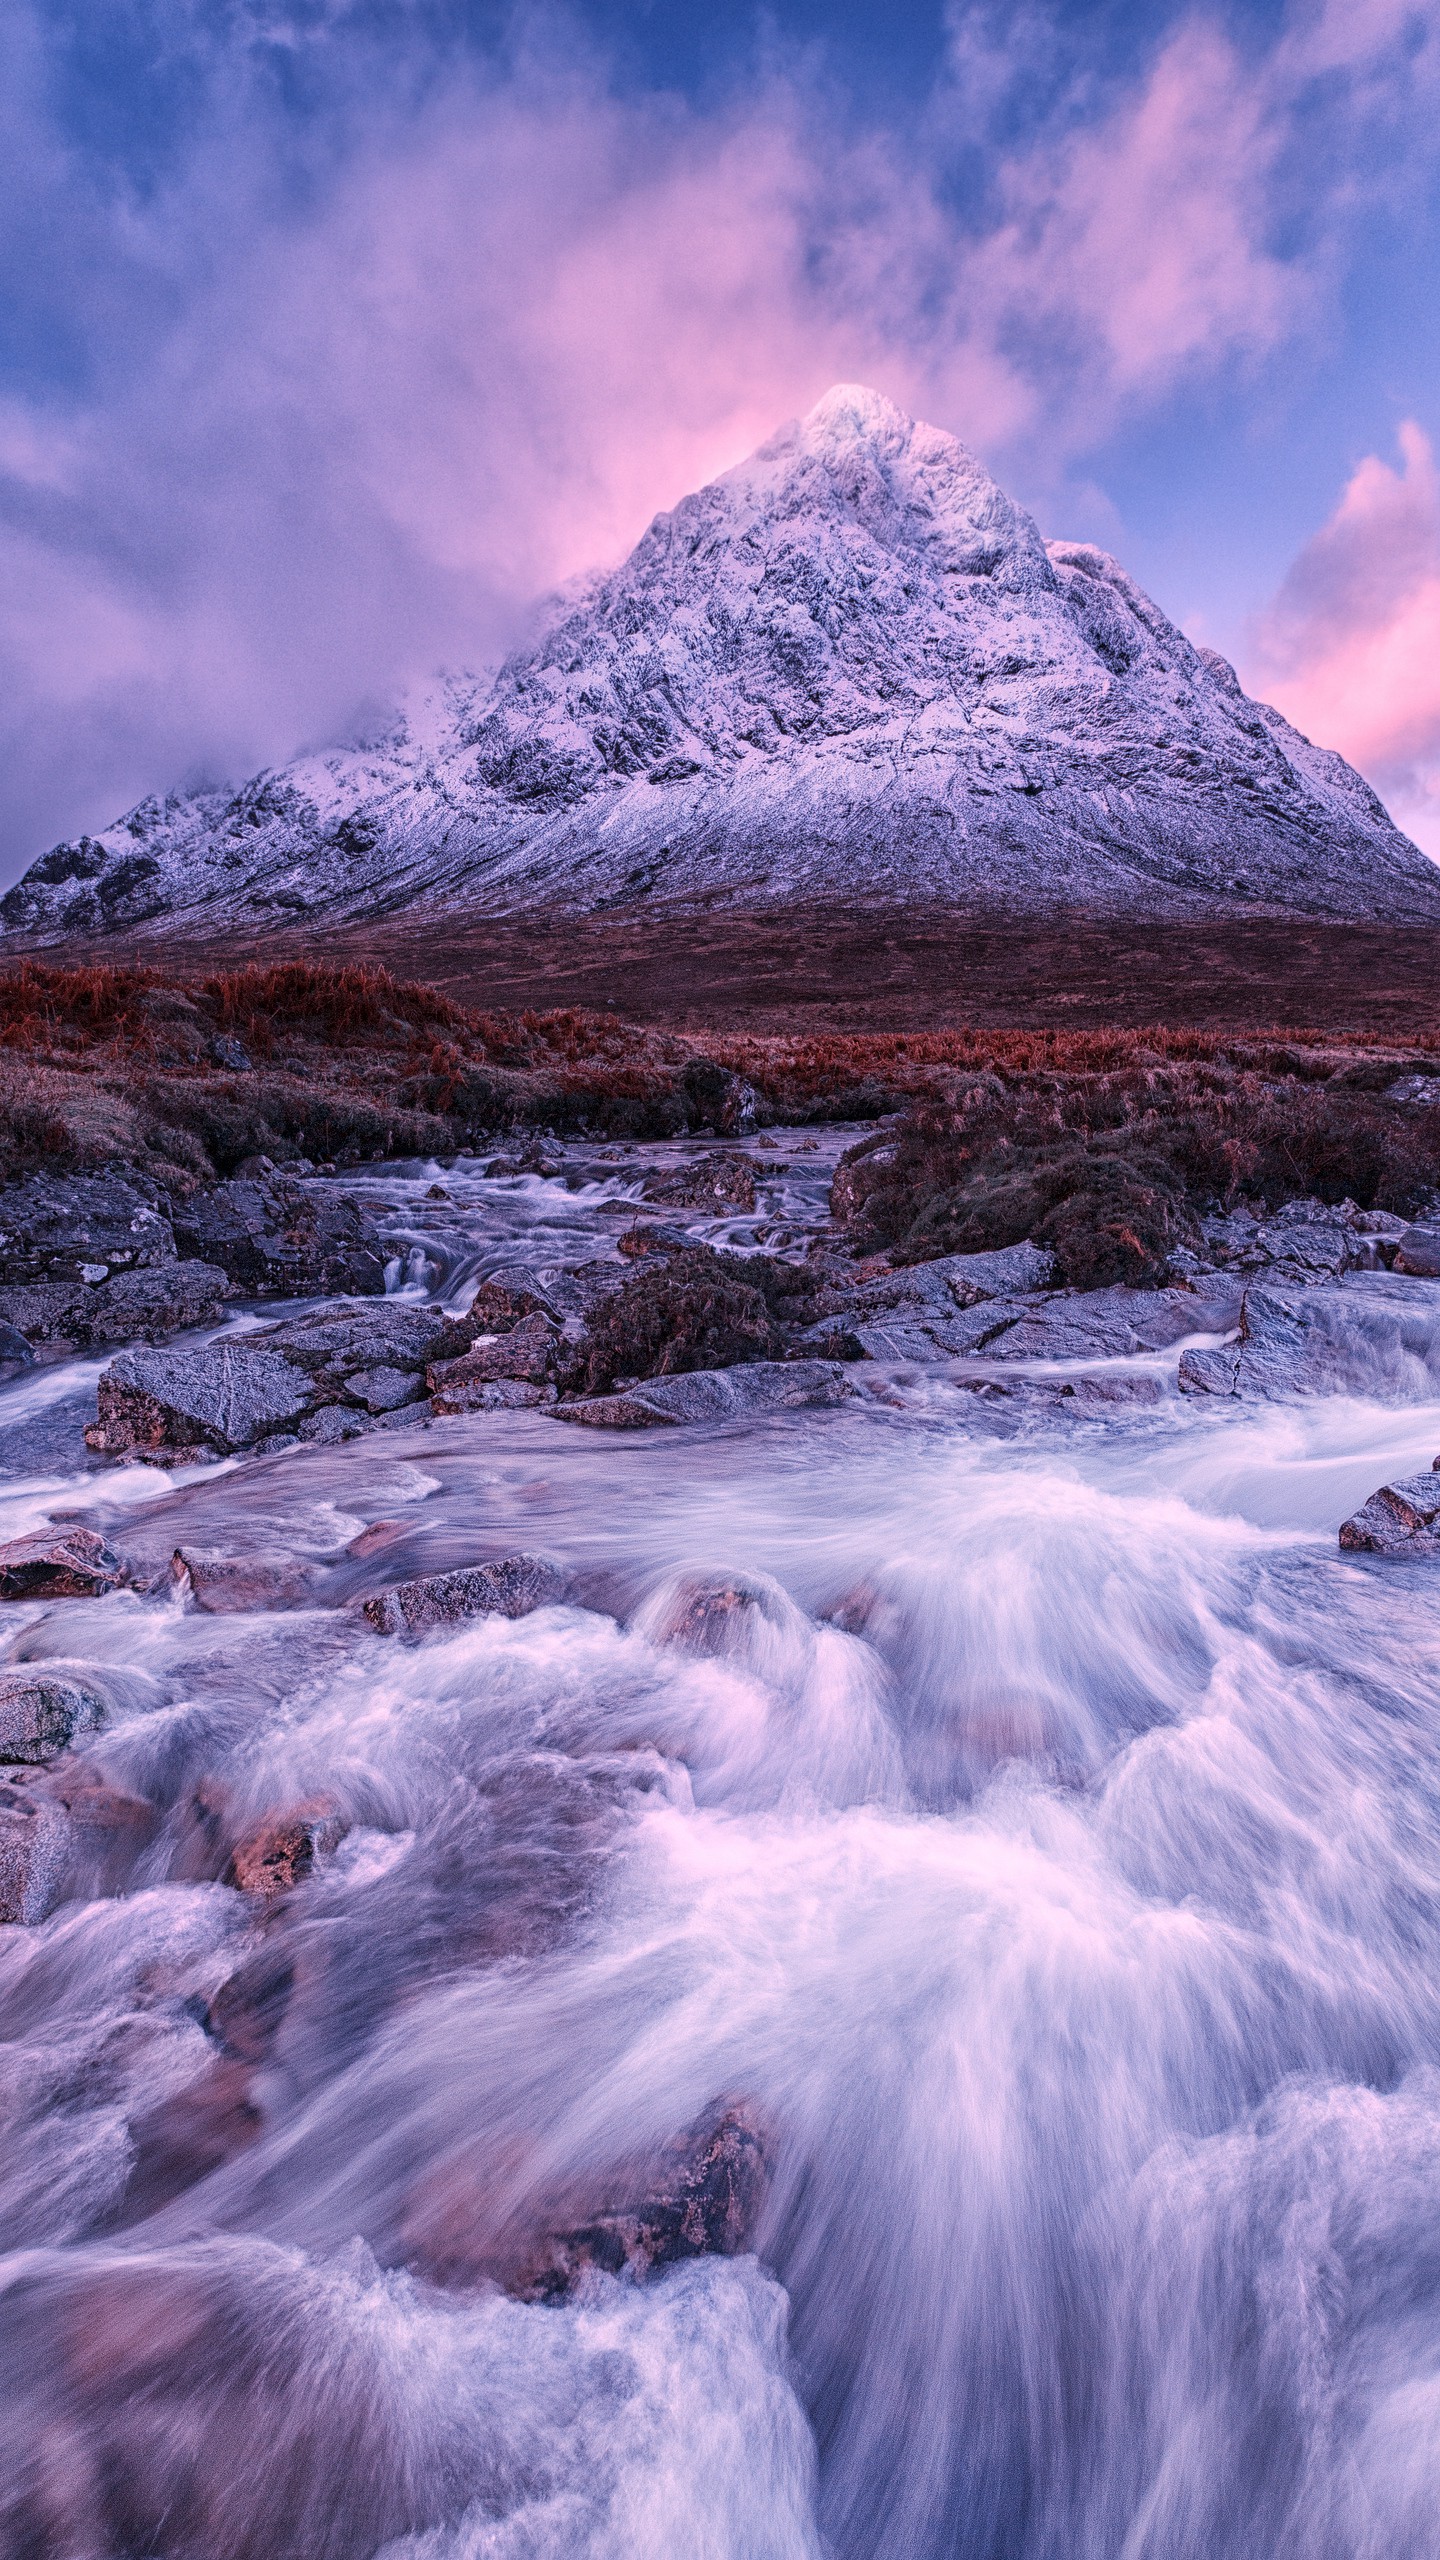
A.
x: 326, y: 1429
x: 849, y: 668
x: 959, y: 1280
x: 1400, y: 1518
x: 1306, y: 1240
x: 335, y: 1343
x: 495, y: 1395
x: 1421, y: 1092
x: 1369, y: 1335
x: 41, y: 1712
x: 1417, y: 1253
x: 278, y: 1237
x: 35, y: 1849
x: 713, y: 1395
x: 59, y: 1564
x: 54, y: 1226
x: 510, y: 1588
x: 221, y: 1585
x: 16, y: 1353
x: 1109, y: 1324
x: 528, y: 1351
x: 219, y: 1400
x: 382, y: 1390
x: 714, y: 1183
x: 146, y: 1306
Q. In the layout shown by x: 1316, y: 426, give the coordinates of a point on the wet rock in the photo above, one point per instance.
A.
x: 382, y: 1390
x: 706, y: 2200
x: 528, y: 1351
x: 337, y: 1345
x: 651, y: 1237
x: 66, y: 1833
x: 721, y: 1617
x: 153, y: 1403
x: 281, y: 1852
x: 336, y: 1422
x: 16, y: 1354
x: 1399, y: 1519
x: 958, y: 1280
x: 136, y: 1306
x: 499, y: 1305
x: 510, y: 1588
x: 717, y: 1099
x: 41, y: 1713
x: 1304, y: 1240
x: 1110, y: 1324
x: 1109, y: 1389
x: 713, y: 1395
x: 714, y: 1183
x: 59, y: 1564
x: 222, y: 1585
x: 499, y: 1395
x: 65, y: 1226
x: 1370, y: 1334
x: 34, y: 1854
x: 276, y: 1237
x: 1417, y: 1253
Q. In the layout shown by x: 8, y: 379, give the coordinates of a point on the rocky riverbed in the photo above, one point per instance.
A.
x: 825, y: 1948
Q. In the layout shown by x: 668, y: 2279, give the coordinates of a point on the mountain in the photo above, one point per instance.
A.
x: 850, y: 668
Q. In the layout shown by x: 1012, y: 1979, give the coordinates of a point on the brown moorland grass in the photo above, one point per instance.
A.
x: 1108, y: 1139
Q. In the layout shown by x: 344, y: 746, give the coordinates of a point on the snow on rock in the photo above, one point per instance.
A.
x: 850, y: 667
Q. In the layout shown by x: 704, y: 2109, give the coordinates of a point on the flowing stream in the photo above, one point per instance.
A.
x: 1030, y: 1820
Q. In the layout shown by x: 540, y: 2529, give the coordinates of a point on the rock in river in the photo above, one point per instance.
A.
x: 59, y: 1564
x: 1399, y: 1519
x: 509, y: 1588
x: 41, y: 1712
x: 713, y: 1395
x: 154, y: 1403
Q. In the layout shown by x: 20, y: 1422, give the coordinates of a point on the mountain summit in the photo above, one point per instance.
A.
x: 850, y: 668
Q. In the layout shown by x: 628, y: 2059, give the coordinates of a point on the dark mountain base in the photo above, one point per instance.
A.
x: 887, y: 969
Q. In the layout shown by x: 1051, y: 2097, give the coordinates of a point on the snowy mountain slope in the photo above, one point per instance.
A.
x: 849, y: 668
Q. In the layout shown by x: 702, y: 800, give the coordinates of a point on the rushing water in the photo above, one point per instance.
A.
x: 1043, y: 1850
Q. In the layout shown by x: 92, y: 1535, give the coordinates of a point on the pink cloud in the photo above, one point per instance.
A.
x: 335, y: 432
x: 1350, y: 647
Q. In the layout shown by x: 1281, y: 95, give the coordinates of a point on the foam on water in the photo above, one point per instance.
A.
x: 1039, y: 1837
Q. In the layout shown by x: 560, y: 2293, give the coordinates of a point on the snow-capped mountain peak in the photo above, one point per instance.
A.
x: 848, y: 668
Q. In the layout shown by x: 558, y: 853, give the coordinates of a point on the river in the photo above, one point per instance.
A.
x: 1026, y: 1821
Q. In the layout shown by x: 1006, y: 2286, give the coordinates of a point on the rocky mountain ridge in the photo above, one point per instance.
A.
x: 849, y: 668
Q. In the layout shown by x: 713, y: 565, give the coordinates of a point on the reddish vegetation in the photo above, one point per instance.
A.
x: 1104, y: 1140
x: 1110, y: 1168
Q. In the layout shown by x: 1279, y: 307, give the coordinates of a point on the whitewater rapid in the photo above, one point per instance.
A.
x: 1031, y: 1821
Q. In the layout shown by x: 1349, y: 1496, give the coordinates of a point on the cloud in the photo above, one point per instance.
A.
x: 322, y: 392
x: 1350, y: 647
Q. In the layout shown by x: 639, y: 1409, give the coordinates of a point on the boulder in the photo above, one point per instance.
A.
x: 41, y: 1712
x: 703, y: 2199
x: 713, y: 1395
x: 1399, y: 1519
x: 16, y: 1354
x: 82, y: 1225
x: 1370, y: 1334
x: 1417, y: 1253
x: 281, y: 1852
x: 281, y: 1238
x: 334, y: 1423
x: 499, y: 1395
x: 384, y: 1389
x: 224, y: 1584
x: 510, y: 1588
x: 59, y: 1564
x: 65, y: 1833
x: 34, y: 1854
x: 154, y: 1403
x: 712, y: 1183
x: 136, y: 1306
x: 527, y: 1351
x: 338, y: 1343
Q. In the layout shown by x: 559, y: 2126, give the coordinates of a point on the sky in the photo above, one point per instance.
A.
x: 332, y: 331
